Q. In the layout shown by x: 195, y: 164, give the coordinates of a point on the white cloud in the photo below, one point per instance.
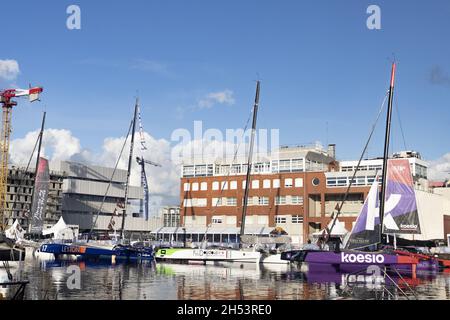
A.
x: 440, y: 169
x: 9, y: 69
x: 59, y: 143
x: 213, y: 98
x: 164, y: 182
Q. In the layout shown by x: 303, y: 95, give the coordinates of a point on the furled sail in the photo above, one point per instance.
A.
x: 366, y: 231
x: 144, y: 185
x: 400, y: 214
x: 40, y: 196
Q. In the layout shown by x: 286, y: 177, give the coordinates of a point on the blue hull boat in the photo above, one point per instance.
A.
x: 86, y: 251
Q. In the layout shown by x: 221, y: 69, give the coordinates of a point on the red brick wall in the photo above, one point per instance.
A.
x: 271, y: 210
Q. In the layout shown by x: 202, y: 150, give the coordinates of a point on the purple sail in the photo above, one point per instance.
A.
x: 400, y: 216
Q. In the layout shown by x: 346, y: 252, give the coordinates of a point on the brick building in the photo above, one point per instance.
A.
x: 298, y: 190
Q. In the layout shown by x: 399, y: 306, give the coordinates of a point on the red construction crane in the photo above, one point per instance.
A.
x: 7, y: 103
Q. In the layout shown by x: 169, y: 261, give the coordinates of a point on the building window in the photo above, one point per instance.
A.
x: 263, y: 201
x: 280, y: 200
x: 217, y: 202
x: 299, y: 183
x: 250, y: 201
x: 216, y: 220
x: 316, y: 182
x: 255, y: 184
x: 280, y: 219
x: 244, y: 184
x: 285, y: 165
x: 186, y: 186
x: 236, y: 168
x: 233, y: 185
x: 276, y: 183
x: 297, y: 165
x: 200, y: 171
x: 266, y: 184
x: 231, y: 201
x: 331, y: 182
x: 297, y: 200
x: 188, y: 171
x: 204, y: 186
x: 275, y: 166
x: 297, y: 219
x: 215, y: 185
x: 195, y: 186
x: 288, y: 183
x: 195, y: 202
x: 224, y: 185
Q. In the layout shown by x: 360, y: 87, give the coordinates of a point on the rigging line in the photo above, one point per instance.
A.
x: 400, y: 123
x: 110, y: 182
x: 358, y: 165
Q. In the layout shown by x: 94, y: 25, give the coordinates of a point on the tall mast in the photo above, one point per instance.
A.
x: 249, y: 163
x: 41, y: 136
x: 386, y: 149
x: 130, y: 160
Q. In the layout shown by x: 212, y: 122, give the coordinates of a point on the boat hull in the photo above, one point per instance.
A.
x: 350, y: 261
x: 426, y: 262
x: 82, y: 251
x: 204, y: 255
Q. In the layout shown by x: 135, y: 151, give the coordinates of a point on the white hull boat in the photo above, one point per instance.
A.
x: 205, y: 255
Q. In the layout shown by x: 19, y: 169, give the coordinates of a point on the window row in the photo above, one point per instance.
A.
x: 274, y: 166
x: 284, y: 219
x: 288, y: 200
x: 362, y: 168
x: 345, y: 181
x: 252, y: 201
x: 233, y: 185
x: 261, y: 219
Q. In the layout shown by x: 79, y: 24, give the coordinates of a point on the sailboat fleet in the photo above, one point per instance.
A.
x: 394, y: 213
x: 381, y: 220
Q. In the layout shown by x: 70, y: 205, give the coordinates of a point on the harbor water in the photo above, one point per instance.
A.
x: 74, y: 280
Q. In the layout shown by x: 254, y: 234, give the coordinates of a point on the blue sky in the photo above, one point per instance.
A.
x: 317, y: 61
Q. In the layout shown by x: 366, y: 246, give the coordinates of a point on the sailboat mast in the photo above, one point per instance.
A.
x: 386, y: 149
x: 41, y: 135
x: 249, y: 162
x: 130, y: 160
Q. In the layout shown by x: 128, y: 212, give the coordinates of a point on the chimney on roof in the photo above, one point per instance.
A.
x: 332, y: 151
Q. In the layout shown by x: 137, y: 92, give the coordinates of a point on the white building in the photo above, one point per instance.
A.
x: 369, y: 168
x: 84, y: 189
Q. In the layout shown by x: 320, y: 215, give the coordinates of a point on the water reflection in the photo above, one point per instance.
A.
x: 100, y: 280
